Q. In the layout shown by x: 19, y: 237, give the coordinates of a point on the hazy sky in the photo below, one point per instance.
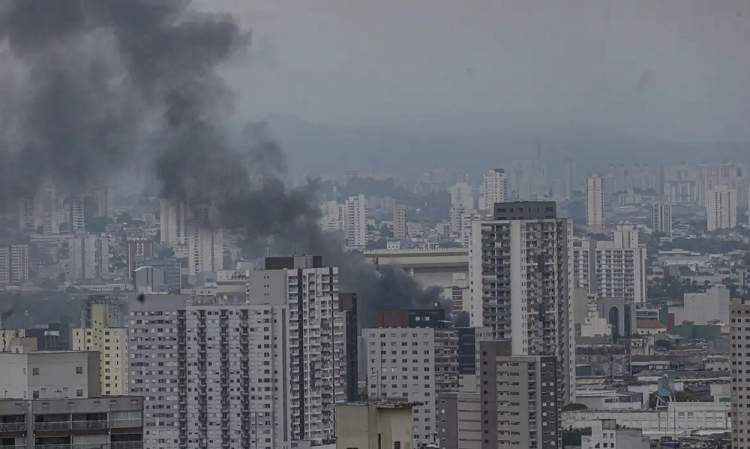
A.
x: 671, y: 70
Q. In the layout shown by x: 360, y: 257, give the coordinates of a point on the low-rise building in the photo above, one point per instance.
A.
x: 606, y: 434
x: 374, y: 425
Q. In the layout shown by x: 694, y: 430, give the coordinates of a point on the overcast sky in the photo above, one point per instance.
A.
x: 670, y: 70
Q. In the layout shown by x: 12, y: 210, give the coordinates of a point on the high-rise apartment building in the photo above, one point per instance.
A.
x: 521, y: 282
x: 158, y: 368
x: 102, y: 334
x: 721, y: 208
x: 14, y: 264
x: 88, y: 257
x: 205, y: 249
x: 139, y: 250
x: 740, y: 375
x: 467, y: 218
x: 595, y: 204
x: 520, y: 397
x: 355, y: 222
x: 661, y: 218
x: 413, y: 364
x: 50, y: 209
x: 612, y: 269
x: 399, y: 222
x: 569, y: 169
x: 77, y: 219
x: 494, y: 186
x: 462, y: 200
x: 260, y: 370
x: 173, y: 221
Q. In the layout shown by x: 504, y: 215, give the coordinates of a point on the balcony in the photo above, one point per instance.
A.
x: 90, y: 425
x: 52, y: 425
x: 13, y: 427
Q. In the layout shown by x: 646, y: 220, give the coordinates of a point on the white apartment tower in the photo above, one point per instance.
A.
x: 740, y: 377
x: 205, y: 249
x: 462, y: 199
x: 661, y: 218
x: 494, y: 187
x: 721, y: 208
x: 399, y: 222
x: 50, y: 210
x: 614, y: 268
x: 88, y: 257
x: 521, y: 282
x: 173, y: 222
x: 413, y: 364
x: 158, y: 368
x: 77, y: 213
x: 595, y: 204
x: 356, y: 221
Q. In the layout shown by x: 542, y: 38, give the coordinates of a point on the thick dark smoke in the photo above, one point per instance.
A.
x: 89, y: 88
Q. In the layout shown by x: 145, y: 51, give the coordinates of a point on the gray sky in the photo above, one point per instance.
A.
x: 671, y: 70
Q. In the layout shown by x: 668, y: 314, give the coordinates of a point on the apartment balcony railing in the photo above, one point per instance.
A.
x: 87, y: 425
x: 13, y: 427
x: 117, y: 445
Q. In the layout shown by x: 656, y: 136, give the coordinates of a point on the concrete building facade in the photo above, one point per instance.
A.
x: 740, y: 376
x: 102, y: 334
x: 520, y: 398
x: 374, y: 425
x: 412, y: 365
x: 521, y: 283
x: 49, y: 374
x: 595, y: 223
x: 661, y: 218
x: 721, y: 208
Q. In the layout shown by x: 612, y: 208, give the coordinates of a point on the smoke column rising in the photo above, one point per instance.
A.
x: 89, y: 87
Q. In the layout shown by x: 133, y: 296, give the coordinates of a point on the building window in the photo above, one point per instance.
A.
x: 35, y: 394
x: 79, y: 370
x: 34, y: 371
x: 79, y: 393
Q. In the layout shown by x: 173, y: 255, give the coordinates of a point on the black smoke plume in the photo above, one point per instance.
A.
x: 89, y: 88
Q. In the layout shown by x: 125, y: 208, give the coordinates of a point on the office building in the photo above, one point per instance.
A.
x: 494, y: 187
x: 374, y: 425
x: 399, y: 222
x: 661, y: 218
x: 520, y: 281
x: 355, y: 221
x: 14, y: 264
x: 595, y: 223
x: 740, y: 378
x: 520, y: 399
x: 102, y: 334
x: 412, y: 358
x: 173, y: 221
x: 721, y: 208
